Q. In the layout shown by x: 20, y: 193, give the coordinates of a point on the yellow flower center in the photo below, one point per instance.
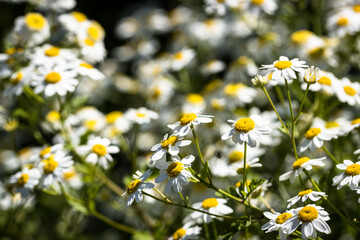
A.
x: 331, y: 124
x: 80, y: 17
x: 187, y: 118
x: 308, y: 214
x: 194, y: 98
x: 86, y: 65
x: 52, y: 77
x: 52, y: 52
x: 342, y: 21
x: 68, y: 175
x: 283, y: 64
x: 180, y: 232
x: 171, y: 140
x: 140, y: 115
x: 349, y: 90
x: 156, y: 93
x: 89, y: 42
x: 257, y: 2
x: 301, y: 37
x: 244, y: 125
x: 317, y: 53
x: 240, y: 170
x: 174, y: 169
x: 90, y: 124
x: 302, y: 193
x: 95, y: 31
x: 44, y: 152
x: 355, y: 121
x: 353, y: 170
x: 235, y: 156
x: 22, y: 180
x: 53, y: 116
x: 298, y: 163
x: 35, y: 21
x: 112, y: 116
x: 243, y: 60
x: 209, y: 203
x: 50, y: 165
x: 178, y: 56
x: 283, y: 217
x: 133, y: 186
x: 99, y: 149
x: 312, y: 132
x: 356, y: 8
x: 15, y: 80
x: 232, y: 89
x: 325, y: 81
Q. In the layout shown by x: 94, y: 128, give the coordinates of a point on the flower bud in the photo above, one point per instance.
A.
x: 311, y: 75
x: 259, y: 81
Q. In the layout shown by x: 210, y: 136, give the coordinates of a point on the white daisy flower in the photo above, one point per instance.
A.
x: 252, y: 163
x: 135, y: 188
x: 119, y: 121
x: 304, y: 195
x: 284, y: 69
x: 220, y: 7
x: 74, y: 22
x: 18, y: 80
x: 348, y: 92
x: 175, y: 171
x: 326, y: 83
x: 277, y: 221
x: 40, y: 153
x: 98, y: 151
x: 241, y: 68
x: 351, y: 175
x: 247, y: 130
x: 141, y: 115
x: 54, y: 167
x: 194, y: 102
x: 87, y: 70
x: 313, y: 218
x: 92, y: 51
x: 169, y: 145
x: 55, y: 80
x: 238, y: 94
x: 50, y: 55
x: 127, y: 27
x: 343, y: 22
x: 211, y: 31
x: 186, y: 232
x: 212, y: 67
x: 54, y: 5
x: 256, y: 6
x: 314, y: 139
x: 183, y: 127
x: 213, y: 206
x: 182, y: 59
x: 25, y: 180
x: 300, y: 164
x: 332, y: 128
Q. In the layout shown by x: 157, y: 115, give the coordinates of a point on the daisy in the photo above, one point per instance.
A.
x: 51, y: 55
x: 91, y: 51
x: 182, y: 59
x: 18, y: 80
x: 351, y: 175
x: 333, y: 127
x: 211, y: 205
x: 325, y: 83
x: 284, y: 69
x: 54, y: 167
x: 186, y: 232
x: 253, y: 163
x: 241, y: 68
x: 170, y: 145
x: 238, y: 94
x: 25, y: 180
x: 220, y: 7
x: 141, y: 115
x: 98, y: 150
x: 212, y: 67
x: 277, y: 221
x: 256, y: 6
x: 312, y: 218
x: 119, y: 121
x: 54, y: 80
x: 193, y: 102
x: 314, y: 139
x: 187, y: 120
x: 343, y: 22
x: 304, y: 195
x: 211, y: 31
x: 135, y: 188
x: 248, y: 130
x: 311, y: 75
x: 54, y: 5
x: 74, y: 22
x: 127, y: 27
x: 176, y: 172
x: 348, y: 92
x: 44, y: 152
x: 300, y: 164
x: 87, y: 70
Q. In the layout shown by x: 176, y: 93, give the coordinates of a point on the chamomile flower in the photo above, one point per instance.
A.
x: 212, y: 67
x: 183, y: 127
x: 333, y: 127
x: 54, y: 5
x: 87, y: 70
x: 300, y: 164
x: 304, y: 195
x: 119, y: 121
x: 175, y: 172
x: 313, y: 218
x: 252, y: 163
x: 277, y: 221
x: 54, y: 80
x: 351, y: 174
x: 169, y: 144
x: 211, y: 205
x: 220, y: 7
x: 238, y: 94
x: 181, y: 59
x: 98, y: 151
x: 248, y: 130
x: 25, y: 180
x: 54, y: 166
x: 186, y: 232
x: 193, y: 102
x: 343, y: 22
x: 314, y: 139
x: 18, y: 80
x: 211, y: 31
x: 284, y: 69
x: 92, y: 51
x: 135, y: 188
x: 241, y: 68
x: 326, y: 83
x: 51, y: 55
x: 127, y: 27
x: 141, y: 115
x: 348, y: 92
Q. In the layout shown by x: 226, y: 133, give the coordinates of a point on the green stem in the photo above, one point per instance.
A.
x: 277, y: 113
x: 185, y: 203
x: 292, y: 120
x: 206, y: 230
x: 213, y: 223
x: 135, y: 149
x: 302, y: 103
x: 266, y: 204
x: 244, y: 173
x: 330, y: 155
x: 161, y: 194
x: 280, y: 95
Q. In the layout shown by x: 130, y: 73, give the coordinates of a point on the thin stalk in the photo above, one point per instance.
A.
x: 161, y: 194
x: 244, y: 173
x: 213, y: 223
x: 206, y: 229
x: 302, y: 102
x: 185, y: 203
x: 135, y: 150
x: 280, y: 95
x: 266, y: 204
x: 330, y: 155
x: 277, y: 113
x: 292, y: 120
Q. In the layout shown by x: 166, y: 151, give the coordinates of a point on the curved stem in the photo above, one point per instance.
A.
x: 330, y: 155
x: 244, y: 173
x: 302, y: 102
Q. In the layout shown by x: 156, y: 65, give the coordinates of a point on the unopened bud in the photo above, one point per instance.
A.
x: 259, y: 81
x: 311, y: 75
